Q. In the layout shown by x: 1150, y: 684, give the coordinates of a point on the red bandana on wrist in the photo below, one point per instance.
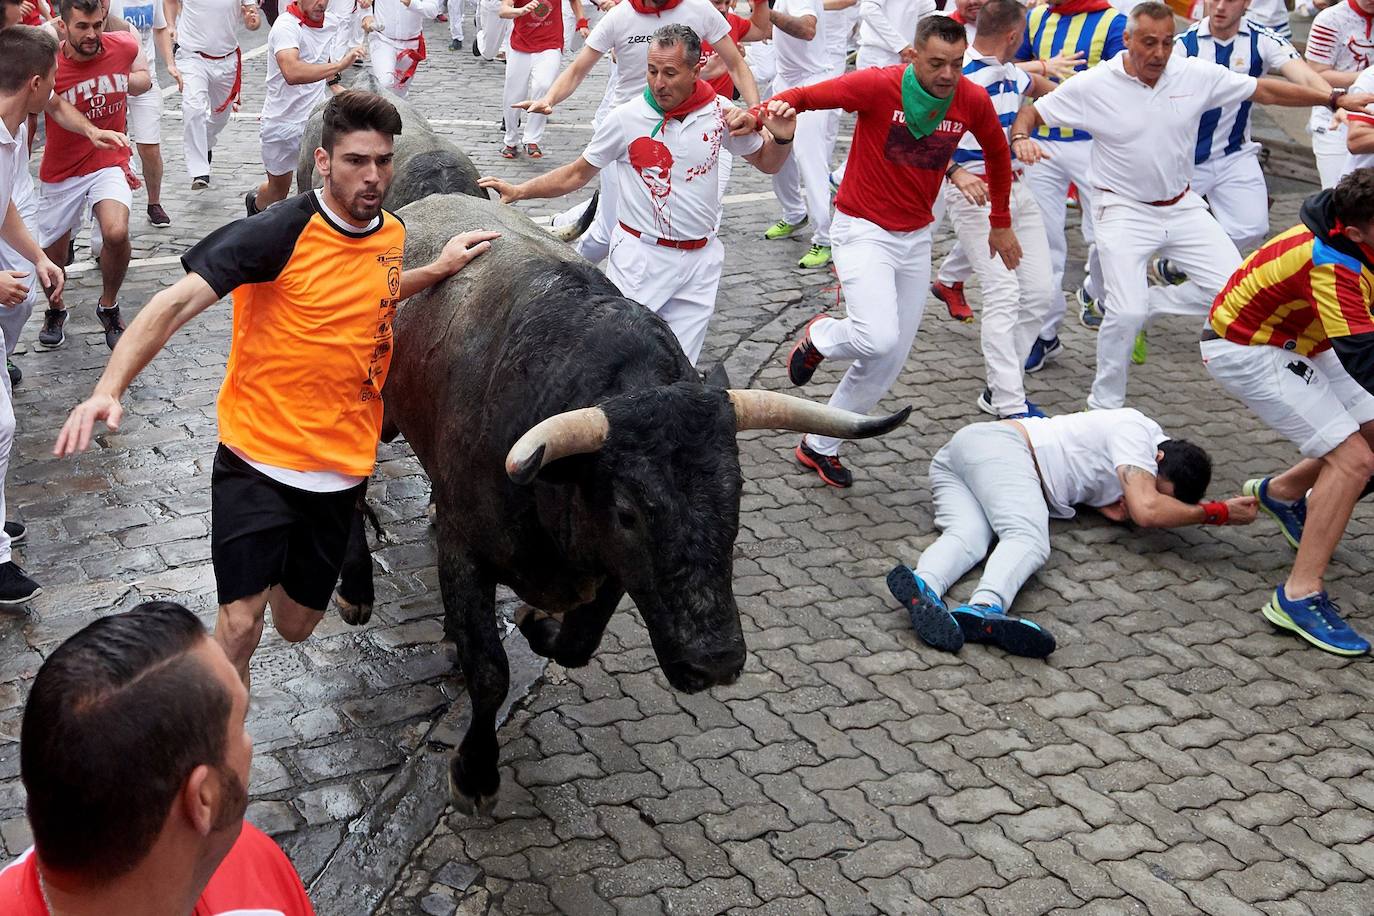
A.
x: 295, y: 10
x: 1074, y: 7
x: 648, y: 9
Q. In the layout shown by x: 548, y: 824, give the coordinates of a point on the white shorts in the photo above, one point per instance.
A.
x: 281, y: 146
x: 1312, y: 400
x: 62, y: 205
x: 145, y: 116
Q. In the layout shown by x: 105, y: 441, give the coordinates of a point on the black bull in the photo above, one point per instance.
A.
x: 575, y: 456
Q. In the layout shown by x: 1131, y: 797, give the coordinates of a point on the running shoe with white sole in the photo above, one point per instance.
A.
x: 816, y: 256
x: 931, y: 620
x: 782, y: 229
x: 53, y: 334
x: 17, y: 531
x: 1164, y: 271
x: 1042, y: 351
x: 1089, y: 312
x: 986, y: 623
x: 15, y: 586
x: 1290, y: 516
x: 985, y: 405
x: 1317, y: 620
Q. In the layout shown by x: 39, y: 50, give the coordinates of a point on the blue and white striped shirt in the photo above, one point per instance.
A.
x: 1006, y: 85
x: 1254, y: 51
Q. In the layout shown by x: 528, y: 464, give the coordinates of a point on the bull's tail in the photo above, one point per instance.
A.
x: 584, y: 222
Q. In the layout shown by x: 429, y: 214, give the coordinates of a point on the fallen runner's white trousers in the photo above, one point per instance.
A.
x: 885, y: 278
x: 1015, y: 303
x: 1129, y: 233
x: 207, y: 85
x: 679, y: 285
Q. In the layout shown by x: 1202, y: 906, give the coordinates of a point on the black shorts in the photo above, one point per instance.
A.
x: 264, y: 533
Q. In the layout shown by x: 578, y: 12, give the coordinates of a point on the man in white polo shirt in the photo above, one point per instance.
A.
x: 298, y: 67
x: 803, y: 185
x: 1015, y: 302
x: 625, y: 32
x: 1141, y: 162
x: 1339, y: 46
x: 208, y: 68
x: 146, y: 18
x: 664, y: 253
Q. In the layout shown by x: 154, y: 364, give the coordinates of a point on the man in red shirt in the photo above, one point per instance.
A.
x: 135, y: 762
x: 97, y: 73
x: 910, y: 120
x: 536, y: 47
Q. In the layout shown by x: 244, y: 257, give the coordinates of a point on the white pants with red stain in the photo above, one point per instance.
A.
x: 206, y: 86
x: 679, y: 286
x: 528, y: 76
x: 1129, y: 233
x: 382, y: 52
x: 884, y: 276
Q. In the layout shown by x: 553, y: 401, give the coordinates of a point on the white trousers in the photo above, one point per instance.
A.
x: 492, y: 31
x: 381, y: 54
x: 528, y: 76
x: 885, y: 278
x: 1049, y: 181
x: 1131, y: 232
x: 802, y: 185
x: 679, y: 286
x: 986, y: 488
x: 874, y: 56
x: 1235, y: 190
x: 1328, y: 146
x: 1015, y: 303
x: 206, y: 86
x: 456, y: 13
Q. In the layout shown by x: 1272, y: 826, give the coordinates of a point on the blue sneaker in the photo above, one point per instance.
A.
x: 1316, y: 620
x: 1042, y: 351
x: 929, y: 617
x: 1166, y: 273
x: 1089, y: 312
x: 1290, y: 516
x: 986, y: 623
x: 1032, y: 412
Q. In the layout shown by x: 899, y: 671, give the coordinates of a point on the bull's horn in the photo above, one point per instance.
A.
x: 756, y: 409
x: 574, y: 229
x: 575, y: 432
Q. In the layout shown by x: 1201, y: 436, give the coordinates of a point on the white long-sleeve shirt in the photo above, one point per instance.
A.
x: 891, y: 24
x: 403, y: 23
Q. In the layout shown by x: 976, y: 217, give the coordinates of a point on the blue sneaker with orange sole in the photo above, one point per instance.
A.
x: 930, y: 618
x: 1317, y: 620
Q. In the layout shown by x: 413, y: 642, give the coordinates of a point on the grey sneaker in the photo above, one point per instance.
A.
x: 53, y: 333
x: 200, y: 182
x: 111, y: 322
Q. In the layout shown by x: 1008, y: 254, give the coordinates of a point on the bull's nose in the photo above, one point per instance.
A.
x: 703, y: 671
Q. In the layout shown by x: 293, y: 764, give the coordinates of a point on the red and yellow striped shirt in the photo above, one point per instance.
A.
x: 1296, y: 292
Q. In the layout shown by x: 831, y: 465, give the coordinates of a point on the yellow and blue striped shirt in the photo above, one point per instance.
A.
x: 1098, y: 34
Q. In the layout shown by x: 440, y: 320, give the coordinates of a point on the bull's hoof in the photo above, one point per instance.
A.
x: 353, y: 614
x: 478, y: 805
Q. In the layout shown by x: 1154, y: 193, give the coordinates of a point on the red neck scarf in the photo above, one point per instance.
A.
x: 958, y: 17
x: 647, y: 9
x: 295, y: 10
x: 1074, y: 7
x: 702, y: 95
x: 1338, y: 232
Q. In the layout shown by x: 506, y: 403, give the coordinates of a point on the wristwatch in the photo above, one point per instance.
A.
x: 1335, y: 98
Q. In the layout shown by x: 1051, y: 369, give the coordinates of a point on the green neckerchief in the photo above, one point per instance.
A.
x: 923, y: 111
x: 662, y: 115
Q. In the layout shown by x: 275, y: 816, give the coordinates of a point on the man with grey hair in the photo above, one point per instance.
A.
x: 666, y: 145
x: 1141, y: 161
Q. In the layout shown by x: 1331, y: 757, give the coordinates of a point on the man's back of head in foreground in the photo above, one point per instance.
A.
x: 135, y: 758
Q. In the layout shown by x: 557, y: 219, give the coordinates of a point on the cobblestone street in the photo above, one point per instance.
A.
x: 1175, y: 754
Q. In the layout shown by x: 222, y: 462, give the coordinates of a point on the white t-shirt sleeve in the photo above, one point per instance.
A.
x: 607, y: 144
x: 605, y: 33
x: 1364, y: 83
x: 805, y: 8
x: 285, y: 34
x: 1276, y: 51
x: 711, y: 25
x: 747, y: 145
x: 1068, y: 105
x: 159, y: 15
x: 1133, y: 442
x: 1228, y: 87
x: 1323, y: 39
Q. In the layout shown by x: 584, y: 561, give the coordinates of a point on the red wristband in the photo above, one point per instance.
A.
x: 582, y: 24
x: 1215, y: 513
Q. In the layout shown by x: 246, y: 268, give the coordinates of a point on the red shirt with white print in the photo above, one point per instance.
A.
x: 99, y: 88
x: 541, y: 30
x: 892, y: 177
x: 255, y: 877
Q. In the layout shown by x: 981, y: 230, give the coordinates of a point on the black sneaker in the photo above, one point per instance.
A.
x: 158, y: 216
x: 16, y: 374
x: 53, y: 334
x: 804, y: 358
x: 989, y: 624
x: 15, y: 587
x: 111, y: 322
x: 17, y: 532
x: 475, y: 51
x: 250, y: 202
x: 828, y: 466
x: 455, y: 44
x: 200, y: 182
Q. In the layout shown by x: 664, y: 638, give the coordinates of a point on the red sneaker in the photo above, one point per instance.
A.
x: 804, y: 358
x: 509, y: 152
x: 953, y: 298
x: 829, y: 468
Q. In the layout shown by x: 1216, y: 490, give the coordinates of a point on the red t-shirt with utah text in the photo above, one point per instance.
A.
x: 99, y: 88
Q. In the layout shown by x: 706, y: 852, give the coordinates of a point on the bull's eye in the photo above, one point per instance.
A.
x: 626, y: 518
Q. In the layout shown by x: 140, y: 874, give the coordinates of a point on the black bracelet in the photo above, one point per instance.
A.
x: 949, y: 172
x: 781, y: 142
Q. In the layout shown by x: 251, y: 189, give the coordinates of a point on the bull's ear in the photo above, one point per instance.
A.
x: 524, y: 472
